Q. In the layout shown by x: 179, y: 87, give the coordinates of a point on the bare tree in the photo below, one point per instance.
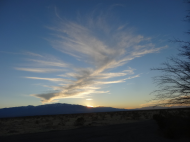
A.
x: 174, y: 84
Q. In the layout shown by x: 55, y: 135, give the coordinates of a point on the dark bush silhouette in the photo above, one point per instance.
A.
x: 79, y: 122
x: 161, y: 120
x: 173, y: 127
x: 37, y: 122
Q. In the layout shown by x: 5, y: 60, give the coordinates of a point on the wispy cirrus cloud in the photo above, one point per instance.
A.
x: 43, y: 63
x: 32, y: 54
x: 101, y: 50
x: 88, y: 99
x: 50, y: 79
x: 40, y: 70
x: 50, y: 63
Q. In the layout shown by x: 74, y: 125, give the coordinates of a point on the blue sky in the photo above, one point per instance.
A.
x: 87, y: 52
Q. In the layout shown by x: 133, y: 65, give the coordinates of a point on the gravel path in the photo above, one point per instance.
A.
x: 142, y: 131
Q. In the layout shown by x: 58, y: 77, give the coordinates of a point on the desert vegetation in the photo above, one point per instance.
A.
x: 173, y: 124
x: 33, y: 124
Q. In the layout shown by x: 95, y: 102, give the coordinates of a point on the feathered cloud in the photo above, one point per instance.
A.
x: 40, y: 70
x: 50, y: 79
x: 50, y: 63
x: 88, y: 99
x: 33, y: 54
x: 101, y: 50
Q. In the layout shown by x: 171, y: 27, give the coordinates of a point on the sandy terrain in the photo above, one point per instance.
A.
x: 128, y: 125
x: 141, y: 131
x: 49, y: 123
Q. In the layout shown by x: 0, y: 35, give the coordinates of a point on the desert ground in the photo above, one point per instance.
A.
x: 103, y: 126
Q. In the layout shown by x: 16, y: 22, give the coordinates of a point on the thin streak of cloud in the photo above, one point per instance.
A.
x: 33, y: 54
x: 153, y: 103
x: 121, y: 27
x: 88, y: 99
x: 54, y: 96
x: 161, y: 102
x: 40, y: 70
x: 110, y: 82
x: 131, y: 77
x: 50, y: 63
x: 50, y: 79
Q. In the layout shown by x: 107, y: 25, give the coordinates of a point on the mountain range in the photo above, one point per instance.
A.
x: 62, y: 108
x: 52, y: 109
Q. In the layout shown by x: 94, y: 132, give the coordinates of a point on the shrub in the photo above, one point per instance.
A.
x: 37, y: 122
x: 95, y: 118
x: 161, y: 120
x: 172, y: 126
x: 135, y: 116
x: 79, y: 122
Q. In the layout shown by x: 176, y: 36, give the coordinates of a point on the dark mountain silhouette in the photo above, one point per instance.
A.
x: 52, y: 109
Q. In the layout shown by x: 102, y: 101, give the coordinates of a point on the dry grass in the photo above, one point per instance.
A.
x: 33, y: 124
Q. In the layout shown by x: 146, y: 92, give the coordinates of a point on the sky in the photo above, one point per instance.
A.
x: 87, y: 52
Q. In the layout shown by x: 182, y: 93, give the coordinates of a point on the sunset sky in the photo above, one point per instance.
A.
x: 87, y: 52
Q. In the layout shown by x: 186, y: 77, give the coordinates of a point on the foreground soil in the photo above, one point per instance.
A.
x: 141, y: 131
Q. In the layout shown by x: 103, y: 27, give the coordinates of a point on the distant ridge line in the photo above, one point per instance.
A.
x: 63, y: 108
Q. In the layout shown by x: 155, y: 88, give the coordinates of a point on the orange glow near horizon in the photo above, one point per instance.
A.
x: 89, y: 106
x: 130, y: 108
